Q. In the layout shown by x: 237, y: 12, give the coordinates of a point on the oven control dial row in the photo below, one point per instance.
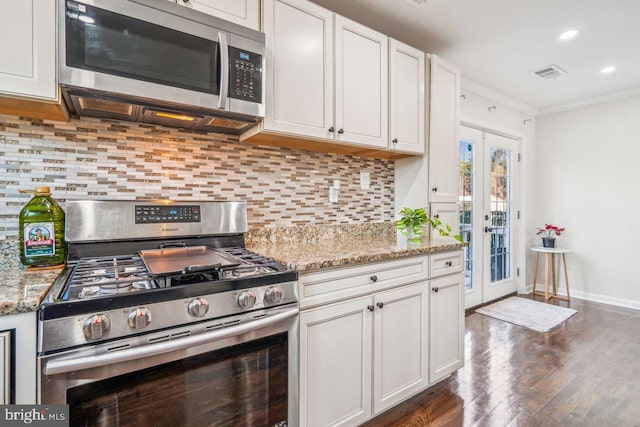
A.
x: 198, y: 307
x: 96, y: 327
x: 272, y: 295
x: 139, y: 318
x: 246, y: 299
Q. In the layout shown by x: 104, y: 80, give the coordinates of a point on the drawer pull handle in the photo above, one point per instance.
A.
x: 374, y: 279
x: 380, y: 304
x: 370, y: 307
x: 448, y: 263
x: 436, y: 289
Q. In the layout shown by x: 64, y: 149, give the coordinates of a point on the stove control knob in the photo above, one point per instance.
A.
x: 246, y: 299
x: 139, y: 318
x: 96, y: 327
x: 272, y: 295
x: 198, y: 307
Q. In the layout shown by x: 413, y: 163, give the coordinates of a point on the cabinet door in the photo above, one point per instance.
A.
x: 443, y: 131
x: 448, y: 213
x: 335, y: 364
x: 28, y: 45
x: 406, y: 98
x: 361, y: 61
x: 400, y: 351
x: 5, y: 367
x: 446, y: 326
x: 299, y: 44
x: 243, y: 12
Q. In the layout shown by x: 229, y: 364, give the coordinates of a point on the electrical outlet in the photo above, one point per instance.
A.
x: 334, y: 193
x: 365, y: 180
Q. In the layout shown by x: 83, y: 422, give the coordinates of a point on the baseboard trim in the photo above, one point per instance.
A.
x: 590, y: 296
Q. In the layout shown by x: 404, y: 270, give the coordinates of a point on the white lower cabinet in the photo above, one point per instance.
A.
x: 372, y: 335
x: 18, y: 358
x: 335, y: 364
x: 5, y: 367
x: 446, y: 325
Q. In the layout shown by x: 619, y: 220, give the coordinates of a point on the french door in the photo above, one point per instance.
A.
x: 487, y: 213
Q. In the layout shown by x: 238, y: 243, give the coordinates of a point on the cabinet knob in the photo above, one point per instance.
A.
x: 436, y: 216
x: 374, y: 278
x: 448, y: 263
x: 395, y: 140
x: 436, y: 289
x: 332, y: 129
x: 488, y: 229
x: 185, y: 1
x: 380, y: 304
x: 340, y: 131
x: 370, y: 307
x: 434, y: 189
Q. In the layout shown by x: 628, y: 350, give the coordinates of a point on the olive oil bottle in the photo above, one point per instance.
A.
x: 41, y: 230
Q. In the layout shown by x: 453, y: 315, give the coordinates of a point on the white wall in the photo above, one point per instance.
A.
x: 587, y: 181
x: 507, y: 119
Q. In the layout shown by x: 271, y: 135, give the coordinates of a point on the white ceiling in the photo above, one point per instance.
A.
x: 497, y: 43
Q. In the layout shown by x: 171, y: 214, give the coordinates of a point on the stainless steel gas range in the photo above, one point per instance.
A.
x: 163, y: 317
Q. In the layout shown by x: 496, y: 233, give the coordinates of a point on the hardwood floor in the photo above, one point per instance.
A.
x: 585, y: 372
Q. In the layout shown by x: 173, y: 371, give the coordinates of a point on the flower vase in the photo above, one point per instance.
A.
x: 548, y: 242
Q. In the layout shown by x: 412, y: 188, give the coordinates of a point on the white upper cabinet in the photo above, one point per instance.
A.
x: 28, y: 45
x: 443, y: 131
x: 361, y: 64
x: 243, y: 12
x: 299, y: 42
x: 406, y: 98
x: 302, y: 98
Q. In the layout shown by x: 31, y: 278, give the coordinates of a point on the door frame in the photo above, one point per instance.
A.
x: 519, y: 198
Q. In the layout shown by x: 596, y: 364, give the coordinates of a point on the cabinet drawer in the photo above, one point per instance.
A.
x: 446, y: 263
x: 328, y: 286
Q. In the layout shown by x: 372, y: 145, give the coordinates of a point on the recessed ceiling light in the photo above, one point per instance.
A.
x: 567, y: 35
x: 608, y: 70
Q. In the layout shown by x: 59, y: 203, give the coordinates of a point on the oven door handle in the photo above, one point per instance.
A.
x: 61, y: 366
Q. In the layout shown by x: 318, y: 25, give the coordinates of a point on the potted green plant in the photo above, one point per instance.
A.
x: 549, y: 233
x: 411, y: 224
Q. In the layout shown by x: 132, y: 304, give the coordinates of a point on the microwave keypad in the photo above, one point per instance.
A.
x: 245, y: 77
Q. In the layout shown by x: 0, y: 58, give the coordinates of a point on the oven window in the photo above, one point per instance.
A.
x: 111, y: 43
x: 244, y: 385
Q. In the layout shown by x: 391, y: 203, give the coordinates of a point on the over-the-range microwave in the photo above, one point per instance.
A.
x: 154, y: 61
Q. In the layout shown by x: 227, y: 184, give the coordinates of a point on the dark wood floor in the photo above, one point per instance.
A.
x: 585, y: 372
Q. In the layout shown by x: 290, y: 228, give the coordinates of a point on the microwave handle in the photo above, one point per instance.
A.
x: 224, y: 70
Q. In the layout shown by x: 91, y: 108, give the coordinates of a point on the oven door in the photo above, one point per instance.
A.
x: 244, y: 374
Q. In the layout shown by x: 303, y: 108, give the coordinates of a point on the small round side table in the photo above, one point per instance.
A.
x: 550, y: 253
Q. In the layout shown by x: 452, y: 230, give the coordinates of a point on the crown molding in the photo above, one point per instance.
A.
x: 614, y: 96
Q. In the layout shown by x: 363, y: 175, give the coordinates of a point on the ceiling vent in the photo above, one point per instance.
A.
x: 549, y: 72
x: 416, y: 3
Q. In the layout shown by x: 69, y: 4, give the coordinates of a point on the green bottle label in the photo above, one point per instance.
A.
x: 39, y: 239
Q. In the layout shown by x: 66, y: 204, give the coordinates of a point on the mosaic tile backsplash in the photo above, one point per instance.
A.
x: 107, y: 159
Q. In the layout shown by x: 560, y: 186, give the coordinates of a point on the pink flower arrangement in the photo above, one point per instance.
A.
x: 550, y: 230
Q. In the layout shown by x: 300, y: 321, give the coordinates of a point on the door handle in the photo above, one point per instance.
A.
x: 224, y: 70
x: 488, y: 229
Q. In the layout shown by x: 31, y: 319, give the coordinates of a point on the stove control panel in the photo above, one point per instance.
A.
x: 198, y: 307
x: 153, y: 214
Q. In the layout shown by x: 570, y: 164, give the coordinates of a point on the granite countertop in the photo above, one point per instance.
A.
x: 21, y: 290
x: 310, y: 248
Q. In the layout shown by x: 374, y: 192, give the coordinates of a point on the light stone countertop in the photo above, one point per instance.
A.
x: 21, y: 290
x: 304, y: 249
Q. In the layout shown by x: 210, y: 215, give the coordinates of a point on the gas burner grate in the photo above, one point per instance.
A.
x: 104, y: 276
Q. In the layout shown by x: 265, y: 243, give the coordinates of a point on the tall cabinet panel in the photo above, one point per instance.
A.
x: 28, y: 45
x: 299, y: 42
x: 446, y: 325
x: 443, y: 131
x: 406, y: 98
x: 361, y: 61
x: 243, y: 12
